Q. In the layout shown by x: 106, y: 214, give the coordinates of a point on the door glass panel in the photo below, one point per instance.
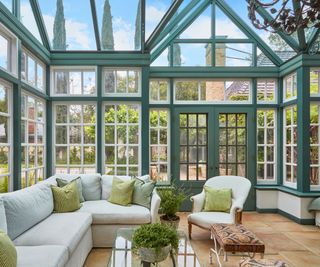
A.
x: 193, y: 146
x: 232, y: 144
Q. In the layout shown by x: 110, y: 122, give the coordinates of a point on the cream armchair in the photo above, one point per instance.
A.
x: 240, y: 189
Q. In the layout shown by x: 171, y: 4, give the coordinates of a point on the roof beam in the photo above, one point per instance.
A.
x: 174, y: 22
x: 313, y: 37
x: 300, y: 30
x: 192, y: 17
x: 95, y: 23
x: 237, y: 20
x: 287, y: 38
x: 40, y: 23
x: 163, y: 23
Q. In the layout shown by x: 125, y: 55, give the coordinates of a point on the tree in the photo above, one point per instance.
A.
x: 137, y: 35
x: 277, y: 43
x: 59, y: 28
x: 107, y: 40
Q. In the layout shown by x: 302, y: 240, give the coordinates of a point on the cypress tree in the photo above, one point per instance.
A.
x: 137, y: 35
x: 107, y: 40
x: 59, y: 28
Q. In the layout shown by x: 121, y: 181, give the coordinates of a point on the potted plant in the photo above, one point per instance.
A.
x: 153, y: 242
x: 171, y: 200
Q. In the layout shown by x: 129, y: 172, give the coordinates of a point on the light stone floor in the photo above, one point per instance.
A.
x: 298, y: 245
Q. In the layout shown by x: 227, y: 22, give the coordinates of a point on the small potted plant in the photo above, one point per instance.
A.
x: 171, y: 200
x: 154, y: 242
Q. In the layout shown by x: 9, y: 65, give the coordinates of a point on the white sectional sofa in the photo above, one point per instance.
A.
x: 43, y: 238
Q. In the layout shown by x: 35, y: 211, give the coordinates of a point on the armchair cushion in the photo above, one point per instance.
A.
x: 206, y: 219
x: 217, y: 199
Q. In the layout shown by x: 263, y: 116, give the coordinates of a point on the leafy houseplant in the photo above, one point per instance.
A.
x: 153, y: 242
x: 171, y: 200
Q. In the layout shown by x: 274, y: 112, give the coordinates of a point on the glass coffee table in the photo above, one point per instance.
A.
x: 122, y: 256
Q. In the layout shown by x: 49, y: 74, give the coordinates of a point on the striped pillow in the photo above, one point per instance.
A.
x: 8, y: 252
x: 66, y: 199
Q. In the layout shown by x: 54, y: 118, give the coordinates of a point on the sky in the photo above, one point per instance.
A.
x: 80, y: 31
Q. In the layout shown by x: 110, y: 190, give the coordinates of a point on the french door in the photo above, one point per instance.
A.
x: 211, y: 141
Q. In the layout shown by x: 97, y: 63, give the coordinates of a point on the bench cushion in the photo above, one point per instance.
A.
x: 64, y: 229
x: 262, y: 263
x: 39, y: 256
x: 236, y: 238
x: 104, y: 212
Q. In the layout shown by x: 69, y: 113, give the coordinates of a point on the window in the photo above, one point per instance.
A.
x: 290, y: 86
x: 216, y: 91
x: 315, y: 81
x: 233, y: 144
x: 32, y: 140
x: 5, y: 138
x: 159, y: 145
x: 75, y: 138
x: 193, y: 146
x: 191, y: 54
x: 70, y: 82
x: 266, y: 145
x: 122, y: 82
x: 290, y: 146
x: 266, y: 90
x: 32, y: 70
x: 122, y: 139
x: 314, y: 146
x: 233, y: 55
x: 159, y: 91
x: 8, y: 50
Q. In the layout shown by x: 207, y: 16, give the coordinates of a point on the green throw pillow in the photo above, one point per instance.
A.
x: 142, y: 193
x: 217, y: 199
x: 62, y: 183
x: 8, y: 252
x: 66, y: 198
x: 121, y: 191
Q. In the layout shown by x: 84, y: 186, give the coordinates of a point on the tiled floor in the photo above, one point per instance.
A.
x: 298, y: 245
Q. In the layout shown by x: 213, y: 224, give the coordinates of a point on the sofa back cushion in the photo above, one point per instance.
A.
x: 27, y: 207
x: 3, y: 219
x: 91, y: 184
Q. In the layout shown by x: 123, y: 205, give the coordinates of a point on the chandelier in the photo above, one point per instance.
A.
x: 287, y: 16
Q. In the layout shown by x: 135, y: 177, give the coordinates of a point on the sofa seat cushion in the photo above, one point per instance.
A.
x: 39, y: 256
x: 65, y: 229
x: 206, y: 219
x: 104, y: 212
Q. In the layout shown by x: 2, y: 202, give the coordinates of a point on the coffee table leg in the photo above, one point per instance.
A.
x: 261, y: 255
x: 215, y: 251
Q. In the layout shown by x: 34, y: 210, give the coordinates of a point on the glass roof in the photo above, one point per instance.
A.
x: 70, y: 24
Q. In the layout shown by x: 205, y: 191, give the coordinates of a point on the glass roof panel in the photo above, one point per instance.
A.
x: 7, y: 3
x: 78, y: 25
x: 125, y: 33
x: 28, y: 20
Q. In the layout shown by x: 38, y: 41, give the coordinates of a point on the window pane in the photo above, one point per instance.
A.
x: 4, y: 48
x: 229, y: 54
x: 31, y: 71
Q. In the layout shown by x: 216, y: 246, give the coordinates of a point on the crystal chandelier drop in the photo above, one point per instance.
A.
x: 287, y: 15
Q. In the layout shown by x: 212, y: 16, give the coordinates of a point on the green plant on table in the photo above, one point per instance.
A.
x: 155, y: 236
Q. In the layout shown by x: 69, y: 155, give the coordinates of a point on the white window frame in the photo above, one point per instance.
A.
x: 293, y: 77
x: 197, y: 102
x: 26, y: 144
x: 115, y: 145
x: 275, y: 101
x: 158, y: 162
x: 37, y: 62
x: 317, y: 70
x: 292, y: 145
x: 82, y: 69
x: 12, y: 53
x: 265, y: 145
x: 126, y: 94
x: 8, y: 86
x: 152, y: 101
x: 316, y: 187
x: 69, y: 166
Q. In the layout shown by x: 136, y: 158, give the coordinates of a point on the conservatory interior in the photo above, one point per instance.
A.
x: 176, y: 96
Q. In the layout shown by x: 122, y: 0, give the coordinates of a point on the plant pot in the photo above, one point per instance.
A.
x: 153, y: 255
x: 171, y: 222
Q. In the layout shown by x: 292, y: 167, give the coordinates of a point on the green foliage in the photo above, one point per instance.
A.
x: 277, y: 43
x: 107, y: 40
x: 59, y: 28
x: 171, y: 200
x: 155, y: 236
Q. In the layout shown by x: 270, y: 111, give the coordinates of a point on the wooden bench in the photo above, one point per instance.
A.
x: 234, y: 238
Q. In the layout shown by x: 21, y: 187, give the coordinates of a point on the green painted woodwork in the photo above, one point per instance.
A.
x: 100, y: 120
x: 95, y: 24
x: 300, y: 31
